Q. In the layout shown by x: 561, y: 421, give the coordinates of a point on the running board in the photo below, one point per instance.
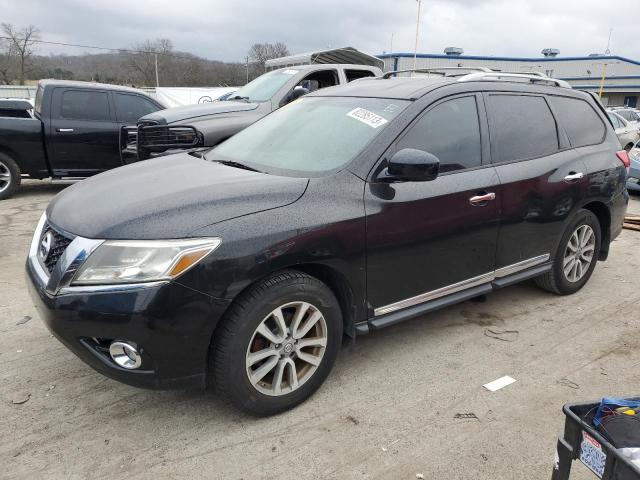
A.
x: 389, y: 319
x: 66, y: 180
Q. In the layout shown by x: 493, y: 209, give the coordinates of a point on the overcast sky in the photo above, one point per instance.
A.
x: 225, y: 29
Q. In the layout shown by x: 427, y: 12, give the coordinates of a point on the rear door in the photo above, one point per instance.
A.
x: 429, y: 239
x: 542, y: 178
x: 83, y: 133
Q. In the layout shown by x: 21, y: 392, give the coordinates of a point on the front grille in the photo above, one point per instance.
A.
x: 58, y: 246
x: 162, y: 136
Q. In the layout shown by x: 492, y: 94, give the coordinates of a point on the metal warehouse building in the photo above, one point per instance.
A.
x: 622, y: 81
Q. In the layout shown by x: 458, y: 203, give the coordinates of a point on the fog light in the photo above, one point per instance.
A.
x: 125, y: 355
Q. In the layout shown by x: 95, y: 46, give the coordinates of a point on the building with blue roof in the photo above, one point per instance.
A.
x: 622, y: 79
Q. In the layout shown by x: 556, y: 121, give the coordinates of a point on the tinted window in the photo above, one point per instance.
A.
x: 85, y: 105
x: 450, y: 131
x: 8, y: 112
x: 131, y: 107
x: 521, y: 127
x: 355, y: 74
x: 579, y: 120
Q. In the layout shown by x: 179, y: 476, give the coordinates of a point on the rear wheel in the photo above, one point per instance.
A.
x: 576, y: 256
x: 277, y: 343
x: 9, y: 176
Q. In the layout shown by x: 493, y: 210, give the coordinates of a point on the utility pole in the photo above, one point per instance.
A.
x: 391, y: 44
x: 607, y: 52
x: 157, y: 78
x: 246, y: 59
x: 415, y: 50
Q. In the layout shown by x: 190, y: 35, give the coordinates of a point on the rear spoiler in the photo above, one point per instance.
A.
x: 142, y: 142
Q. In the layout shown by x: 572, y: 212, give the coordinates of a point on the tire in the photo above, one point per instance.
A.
x: 10, y: 176
x: 237, y: 338
x: 556, y: 280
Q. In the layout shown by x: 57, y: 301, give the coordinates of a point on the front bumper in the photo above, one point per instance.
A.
x: 171, y: 324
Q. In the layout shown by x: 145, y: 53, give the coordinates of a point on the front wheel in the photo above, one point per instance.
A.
x: 277, y: 344
x: 576, y: 256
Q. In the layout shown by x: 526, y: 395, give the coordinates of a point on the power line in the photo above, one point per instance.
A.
x: 121, y: 50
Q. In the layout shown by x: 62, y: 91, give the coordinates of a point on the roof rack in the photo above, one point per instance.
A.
x: 534, y: 77
x: 440, y: 71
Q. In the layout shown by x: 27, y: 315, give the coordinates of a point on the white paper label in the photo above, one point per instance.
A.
x: 290, y: 72
x: 499, y: 383
x: 365, y: 116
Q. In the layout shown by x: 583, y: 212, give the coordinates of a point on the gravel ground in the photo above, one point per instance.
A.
x: 387, y: 411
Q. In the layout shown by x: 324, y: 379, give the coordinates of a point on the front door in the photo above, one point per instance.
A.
x: 424, y: 237
x: 83, y: 134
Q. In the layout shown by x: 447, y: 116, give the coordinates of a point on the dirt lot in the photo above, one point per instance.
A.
x: 388, y: 410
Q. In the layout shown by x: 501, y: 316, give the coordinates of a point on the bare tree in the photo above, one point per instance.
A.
x: 143, y: 63
x: 21, y: 44
x: 259, y: 53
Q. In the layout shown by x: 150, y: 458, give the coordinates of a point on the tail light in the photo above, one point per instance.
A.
x: 623, y: 156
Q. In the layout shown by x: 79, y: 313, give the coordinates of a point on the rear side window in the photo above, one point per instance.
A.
x: 355, y: 74
x: 579, y: 120
x: 451, y: 132
x: 129, y: 108
x: 85, y: 105
x: 522, y: 127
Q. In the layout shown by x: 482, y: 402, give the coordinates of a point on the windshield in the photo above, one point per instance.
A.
x: 265, y: 86
x: 310, y: 135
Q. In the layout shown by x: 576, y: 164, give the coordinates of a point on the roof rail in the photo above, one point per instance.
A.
x: 534, y: 77
x: 440, y: 71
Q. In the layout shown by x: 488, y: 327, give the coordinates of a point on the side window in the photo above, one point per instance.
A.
x: 624, y: 114
x: 85, y: 105
x: 579, y: 120
x: 320, y: 79
x: 451, y: 132
x: 355, y: 74
x: 129, y: 108
x: 521, y: 127
x: 617, y: 123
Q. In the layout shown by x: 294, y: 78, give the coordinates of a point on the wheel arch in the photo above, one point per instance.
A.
x: 602, y: 213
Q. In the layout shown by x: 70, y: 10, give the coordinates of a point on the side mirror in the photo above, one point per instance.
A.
x: 411, y: 165
x: 297, y: 92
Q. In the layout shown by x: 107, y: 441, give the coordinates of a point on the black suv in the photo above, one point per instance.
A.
x: 347, y: 211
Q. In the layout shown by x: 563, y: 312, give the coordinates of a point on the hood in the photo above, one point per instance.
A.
x: 187, y: 112
x: 168, y: 197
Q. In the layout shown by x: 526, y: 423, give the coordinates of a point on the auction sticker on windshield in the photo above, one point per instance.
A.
x: 365, y: 116
x: 290, y: 72
x: 591, y: 454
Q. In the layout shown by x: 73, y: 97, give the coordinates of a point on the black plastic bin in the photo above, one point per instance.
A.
x: 579, y: 417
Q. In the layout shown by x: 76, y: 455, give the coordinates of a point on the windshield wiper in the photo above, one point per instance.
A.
x: 231, y: 163
x: 239, y: 97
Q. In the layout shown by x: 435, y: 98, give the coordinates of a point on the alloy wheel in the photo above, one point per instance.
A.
x: 286, y: 348
x: 579, y: 253
x: 5, y: 177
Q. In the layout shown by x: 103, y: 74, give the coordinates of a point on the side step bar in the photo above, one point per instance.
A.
x: 382, y: 321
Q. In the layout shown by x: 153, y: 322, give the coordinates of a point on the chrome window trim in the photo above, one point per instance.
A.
x: 463, y: 285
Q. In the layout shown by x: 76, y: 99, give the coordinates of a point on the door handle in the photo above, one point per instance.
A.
x: 480, y: 200
x: 64, y: 130
x: 572, y: 177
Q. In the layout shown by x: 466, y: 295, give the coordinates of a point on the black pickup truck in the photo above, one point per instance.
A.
x: 73, y: 133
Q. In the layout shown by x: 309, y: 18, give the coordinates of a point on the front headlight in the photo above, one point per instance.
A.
x: 131, y: 261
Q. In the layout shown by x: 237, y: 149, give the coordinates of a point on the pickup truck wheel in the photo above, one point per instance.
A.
x: 9, y: 176
x: 277, y: 343
x: 576, y: 257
